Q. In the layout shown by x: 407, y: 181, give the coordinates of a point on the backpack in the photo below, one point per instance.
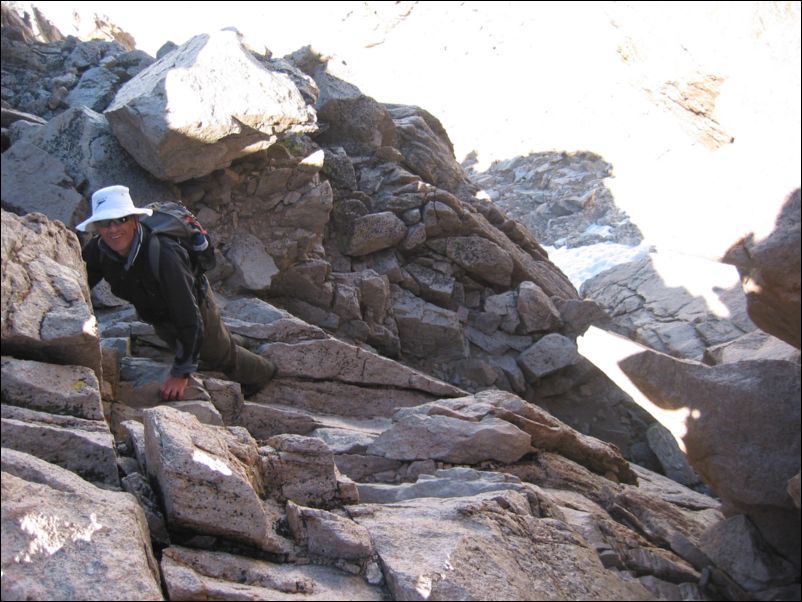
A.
x: 173, y: 219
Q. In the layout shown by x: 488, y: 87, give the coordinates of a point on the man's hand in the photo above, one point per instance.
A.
x: 173, y: 388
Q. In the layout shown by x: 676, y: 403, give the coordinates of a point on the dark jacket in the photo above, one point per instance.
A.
x: 171, y: 301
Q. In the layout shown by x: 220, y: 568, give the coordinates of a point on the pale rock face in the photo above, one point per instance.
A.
x: 770, y: 272
x: 741, y: 414
x: 203, y: 105
x: 372, y: 231
x: 46, y: 308
x: 209, y: 478
x: 73, y: 525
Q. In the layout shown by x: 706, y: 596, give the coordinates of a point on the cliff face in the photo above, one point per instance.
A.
x: 412, y: 322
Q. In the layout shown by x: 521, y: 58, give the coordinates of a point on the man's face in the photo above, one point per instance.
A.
x: 118, y: 233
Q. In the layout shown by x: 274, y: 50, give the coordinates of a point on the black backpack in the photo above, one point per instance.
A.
x: 173, y: 219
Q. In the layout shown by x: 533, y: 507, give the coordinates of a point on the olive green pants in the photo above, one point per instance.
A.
x: 219, y: 351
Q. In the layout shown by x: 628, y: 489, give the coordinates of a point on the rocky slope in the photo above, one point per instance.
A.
x: 412, y: 322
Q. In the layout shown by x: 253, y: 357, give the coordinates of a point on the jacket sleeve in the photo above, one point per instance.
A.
x: 177, y: 284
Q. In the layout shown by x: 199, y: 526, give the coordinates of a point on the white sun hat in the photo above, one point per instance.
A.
x: 111, y: 202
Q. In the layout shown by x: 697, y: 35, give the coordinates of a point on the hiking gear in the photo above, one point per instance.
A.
x: 220, y: 352
x: 173, y: 219
x: 112, y: 202
x: 172, y: 301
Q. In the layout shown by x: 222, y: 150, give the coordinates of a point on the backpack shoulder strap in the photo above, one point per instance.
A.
x: 154, y: 254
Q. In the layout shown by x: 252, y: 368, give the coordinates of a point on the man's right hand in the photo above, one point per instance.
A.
x: 173, y: 388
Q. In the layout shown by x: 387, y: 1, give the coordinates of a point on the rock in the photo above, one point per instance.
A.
x: 537, y: 311
x: 193, y: 574
x: 753, y: 401
x: 94, y: 90
x: 355, y: 122
x: 302, y: 469
x: 427, y: 149
x: 65, y: 390
x: 209, y: 479
x: 425, y: 329
x: 666, y: 318
x: 46, y: 313
x: 82, y: 140
x: 76, y: 542
x: 444, y: 483
x: 548, y: 354
x: 451, y: 440
x: 226, y: 398
x: 754, y: 345
x: 738, y: 548
x: 547, y: 432
x: 138, y: 485
x: 482, y: 258
x: 222, y: 105
x: 335, y: 360
x: 328, y: 535
x: 85, y: 447
x: 254, y: 267
x: 793, y: 489
x: 35, y: 181
x: 770, y: 271
x: 484, y: 547
x: 672, y: 459
x: 375, y: 232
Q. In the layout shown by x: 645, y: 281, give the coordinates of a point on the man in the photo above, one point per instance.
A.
x: 179, y: 304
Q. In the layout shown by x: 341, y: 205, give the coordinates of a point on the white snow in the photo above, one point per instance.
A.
x: 582, y: 263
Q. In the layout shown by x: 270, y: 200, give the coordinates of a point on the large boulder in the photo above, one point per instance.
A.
x: 47, y: 314
x: 209, y: 478
x: 770, y: 273
x: 65, y: 539
x: 743, y: 432
x: 83, y: 141
x: 489, y: 546
x: 203, y: 105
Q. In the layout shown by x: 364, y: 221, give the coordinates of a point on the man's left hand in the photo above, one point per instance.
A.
x: 173, y: 388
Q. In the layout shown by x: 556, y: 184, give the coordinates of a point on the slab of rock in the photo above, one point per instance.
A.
x: 67, y: 390
x: 547, y: 355
x: 425, y: 329
x: 668, y: 319
x: 449, y: 439
x: 545, y: 431
x: 427, y: 149
x: 482, y: 258
x: 302, y: 469
x: 331, y: 359
x: 82, y: 140
x: 770, y: 273
x: 356, y: 122
x: 444, y: 483
x: 328, y: 535
x: 743, y: 434
x: 203, y: 105
x: 47, y: 314
x: 197, y: 574
x: 64, y: 538
x: 374, y: 232
x: 738, y: 548
x: 209, y: 479
x: 755, y: 345
x: 536, y: 309
x: 33, y: 180
x: 489, y: 546
x: 85, y: 447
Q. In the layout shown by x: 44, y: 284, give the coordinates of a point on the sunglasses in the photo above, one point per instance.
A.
x: 105, y: 223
